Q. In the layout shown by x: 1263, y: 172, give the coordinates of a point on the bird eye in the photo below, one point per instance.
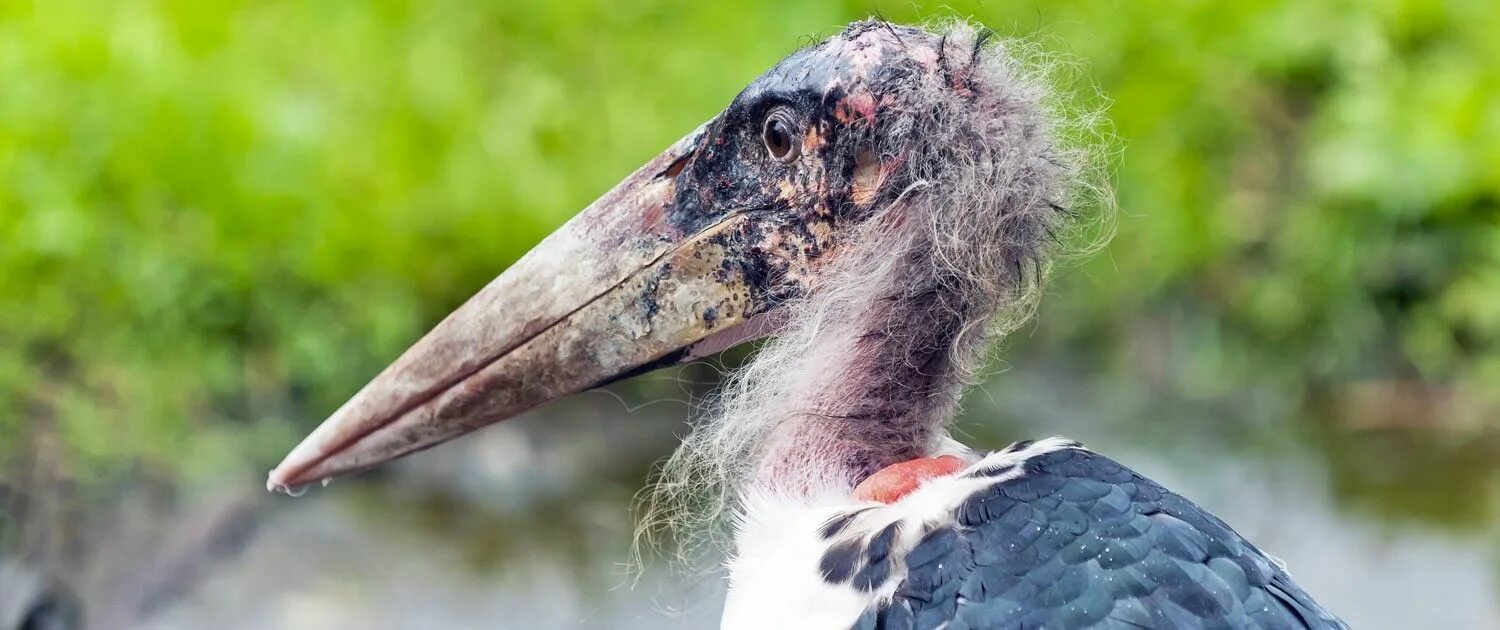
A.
x: 778, y: 134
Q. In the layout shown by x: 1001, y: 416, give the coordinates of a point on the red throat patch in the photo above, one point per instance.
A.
x: 890, y: 484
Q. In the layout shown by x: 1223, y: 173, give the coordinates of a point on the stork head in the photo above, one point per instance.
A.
x: 879, y: 129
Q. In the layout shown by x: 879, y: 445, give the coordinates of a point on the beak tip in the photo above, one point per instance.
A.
x: 316, y: 461
x: 311, y: 460
x: 291, y: 476
x: 277, y: 482
x: 281, y: 484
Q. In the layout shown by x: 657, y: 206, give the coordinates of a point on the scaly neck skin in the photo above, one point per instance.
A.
x: 879, y: 381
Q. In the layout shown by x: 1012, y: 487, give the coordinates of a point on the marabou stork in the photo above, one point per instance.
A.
x: 873, y: 203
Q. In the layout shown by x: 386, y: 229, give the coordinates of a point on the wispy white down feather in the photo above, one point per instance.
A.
x: 871, y: 363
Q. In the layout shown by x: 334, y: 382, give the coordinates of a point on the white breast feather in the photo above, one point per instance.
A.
x: 774, y: 579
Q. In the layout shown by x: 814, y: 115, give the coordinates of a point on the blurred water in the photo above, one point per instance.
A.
x: 326, y: 563
x: 527, y: 526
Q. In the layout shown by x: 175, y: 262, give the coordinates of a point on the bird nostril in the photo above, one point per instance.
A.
x: 675, y: 168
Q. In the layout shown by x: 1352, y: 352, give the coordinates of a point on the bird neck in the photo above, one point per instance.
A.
x: 874, y: 374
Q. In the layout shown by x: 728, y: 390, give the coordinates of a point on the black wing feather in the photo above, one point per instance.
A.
x: 1080, y: 541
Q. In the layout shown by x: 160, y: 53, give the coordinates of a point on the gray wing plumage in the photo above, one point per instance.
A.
x: 1080, y: 541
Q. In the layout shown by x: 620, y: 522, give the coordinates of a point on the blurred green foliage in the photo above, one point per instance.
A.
x: 218, y: 219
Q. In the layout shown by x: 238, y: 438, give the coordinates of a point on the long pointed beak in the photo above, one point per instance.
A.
x: 616, y: 291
